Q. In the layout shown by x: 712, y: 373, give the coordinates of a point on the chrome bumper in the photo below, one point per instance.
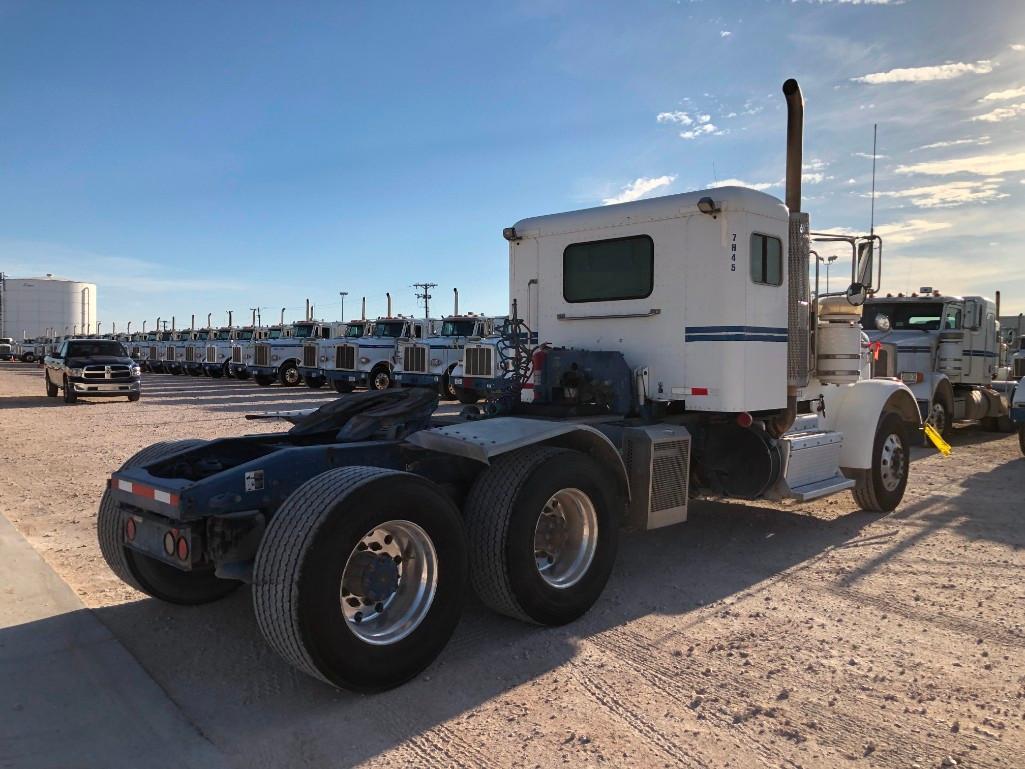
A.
x: 107, y: 388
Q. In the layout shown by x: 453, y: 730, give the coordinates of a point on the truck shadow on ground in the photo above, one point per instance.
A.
x: 214, y: 663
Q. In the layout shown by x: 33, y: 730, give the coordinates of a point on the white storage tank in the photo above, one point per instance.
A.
x: 32, y: 307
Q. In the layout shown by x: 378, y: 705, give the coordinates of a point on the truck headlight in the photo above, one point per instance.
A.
x: 911, y: 377
x: 435, y: 361
x: 364, y: 360
x: 75, y: 372
x: 323, y: 359
x: 136, y: 371
x: 274, y: 357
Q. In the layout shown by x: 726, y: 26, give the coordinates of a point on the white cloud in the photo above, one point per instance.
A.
x: 949, y: 194
x: 868, y: 155
x: 638, y: 189
x: 1001, y: 114
x: 980, y: 165
x: 701, y: 130
x: 762, y: 186
x: 1010, y: 93
x: 674, y: 117
x: 947, y: 71
x: 1018, y: 46
x: 704, y: 118
x: 725, y: 33
x: 953, y: 143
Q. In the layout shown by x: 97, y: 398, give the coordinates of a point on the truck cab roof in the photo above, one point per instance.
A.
x: 650, y: 209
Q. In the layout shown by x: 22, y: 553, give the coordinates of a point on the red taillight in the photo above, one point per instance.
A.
x: 744, y: 419
x: 183, y: 549
x: 130, y: 530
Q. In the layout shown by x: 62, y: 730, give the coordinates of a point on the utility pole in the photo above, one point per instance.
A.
x: 425, y: 296
x: 343, y: 294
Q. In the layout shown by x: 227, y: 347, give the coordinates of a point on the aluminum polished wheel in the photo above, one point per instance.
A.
x: 382, y: 381
x: 565, y: 538
x: 938, y: 417
x: 892, y: 462
x: 292, y: 376
x: 389, y: 582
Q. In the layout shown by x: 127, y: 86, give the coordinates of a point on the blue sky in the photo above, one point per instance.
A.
x: 196, y: 157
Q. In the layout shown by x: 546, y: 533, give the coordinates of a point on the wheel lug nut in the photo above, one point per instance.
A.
x: 353, y: 602
x: 397, y: 559
x: 387, y: 539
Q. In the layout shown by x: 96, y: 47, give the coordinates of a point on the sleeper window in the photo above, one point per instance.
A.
x: 608, y: 270
x: 766, y: 260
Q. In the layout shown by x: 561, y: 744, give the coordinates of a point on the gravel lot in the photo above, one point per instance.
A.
x: 812, y: 635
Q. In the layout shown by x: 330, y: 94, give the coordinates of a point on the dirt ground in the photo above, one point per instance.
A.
x: 811, y: 635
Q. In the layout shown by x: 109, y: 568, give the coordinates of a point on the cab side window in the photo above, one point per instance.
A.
x: 952, y: 319
x: 766, y: 260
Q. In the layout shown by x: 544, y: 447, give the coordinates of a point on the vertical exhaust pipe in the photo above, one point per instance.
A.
x: 456, y: 292
x: 158, y: 325
x: 389, y: 304
x: 998, y: 306
x: 363, y: 311
x: 230, y: 318
x: 795, y: 143
x: 254, y: 317
x: 172, y: 323
x: 129, y: 332
x: 798, y: 321
x: 209, y: 320
x: 282, y: 316
x: 143, y: 327
x: 307, y: 309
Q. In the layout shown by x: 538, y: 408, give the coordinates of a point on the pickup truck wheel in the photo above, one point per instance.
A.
x: 543, y: 528
x: 360, y: 577
x: 263, y: 380
x: 70, y: 396
x: 51, y: 388
x: 290, y: 376
x: 1021, y: 438
x: 146, y: 574
x: 881, y: 489
x: 467, y: 396
x: 314, y: 381
x: 343, y: 387
x: 134, y: 397
x: 380, y: 379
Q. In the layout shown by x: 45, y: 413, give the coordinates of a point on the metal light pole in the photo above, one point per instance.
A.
x: 343, y: 294
x: 828, y: 260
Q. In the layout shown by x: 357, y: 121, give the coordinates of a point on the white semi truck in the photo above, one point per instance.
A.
x: 431, y: 361
x: 684, y: 357
x: 279, y: 359
x: 323, y: 363
x: 946, y: 349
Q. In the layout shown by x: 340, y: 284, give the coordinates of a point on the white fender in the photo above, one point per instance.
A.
x: 855, y: 411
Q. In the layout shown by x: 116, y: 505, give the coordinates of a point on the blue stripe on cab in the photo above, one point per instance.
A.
x: 735, y: 338
x: 735, y: 329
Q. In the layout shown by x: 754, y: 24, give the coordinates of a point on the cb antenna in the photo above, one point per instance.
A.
x: 425, y: 296
x: 872, y: 216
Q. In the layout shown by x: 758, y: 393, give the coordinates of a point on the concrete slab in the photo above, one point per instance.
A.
x: 70, y: 693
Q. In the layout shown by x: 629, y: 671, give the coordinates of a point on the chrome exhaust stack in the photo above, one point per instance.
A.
x: 798, y: 298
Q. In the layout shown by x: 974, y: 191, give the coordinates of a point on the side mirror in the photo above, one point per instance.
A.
x: 856, y: 294
x: 865, y: 259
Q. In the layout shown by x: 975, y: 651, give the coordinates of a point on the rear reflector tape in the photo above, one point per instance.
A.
x: 147, y: 492
x: 699, y: 391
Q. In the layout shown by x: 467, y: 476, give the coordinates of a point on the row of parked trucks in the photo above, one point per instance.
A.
x: 683, y: 351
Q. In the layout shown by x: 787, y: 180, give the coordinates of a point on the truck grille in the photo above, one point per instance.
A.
x: 261, y: 355
x: 136, y: 351
x: 154, y: 353
x: 211, y: 354
x: 478, y: 361
x: 1019, y: 368
x: 236, y: 354
x: 169, y: 353
x: 345, y: 357
x: 414, y: 358
x: 190, y: 354
x: 310, y: 355
x: 114, y: 371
